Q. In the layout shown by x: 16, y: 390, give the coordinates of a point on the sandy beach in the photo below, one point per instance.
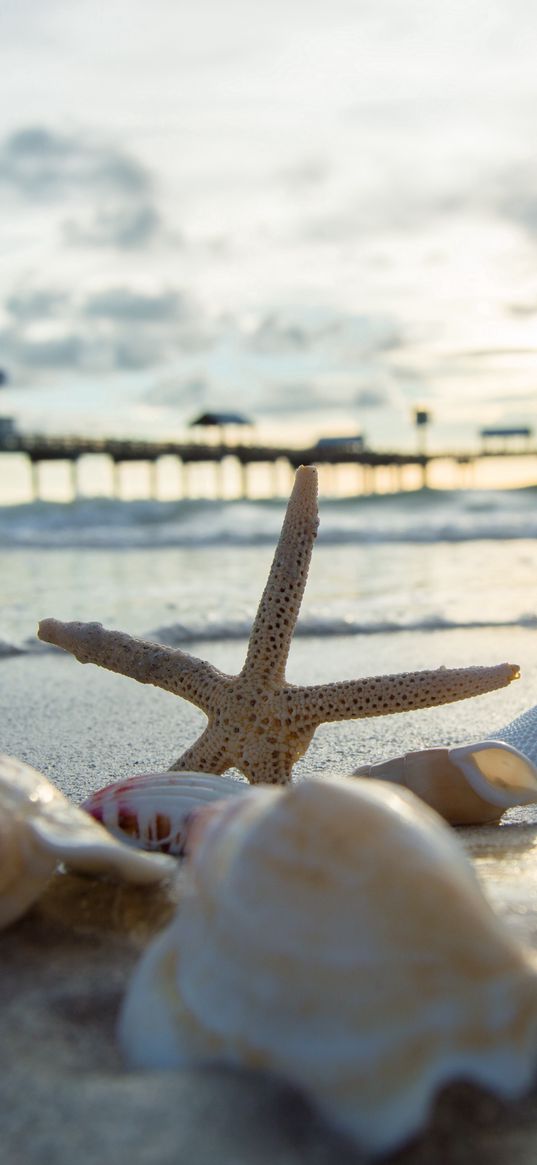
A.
x: 235, y: 236
x: 65, y: 1096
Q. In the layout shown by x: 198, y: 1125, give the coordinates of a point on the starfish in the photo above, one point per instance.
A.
x: 257, y: 722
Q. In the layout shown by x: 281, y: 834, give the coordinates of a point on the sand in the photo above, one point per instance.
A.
x: 65, y: 1096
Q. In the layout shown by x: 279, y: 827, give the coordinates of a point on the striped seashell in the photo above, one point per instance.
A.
x: 152, y: 810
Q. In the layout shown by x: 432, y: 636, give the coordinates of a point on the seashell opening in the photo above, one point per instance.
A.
x: 334, y: 932
x: 498, y: 772
x: 470, y: 785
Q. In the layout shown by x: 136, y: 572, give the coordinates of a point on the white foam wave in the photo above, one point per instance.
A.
x: 426, y: 516
x: 212, y: 629
x: 9, y: 649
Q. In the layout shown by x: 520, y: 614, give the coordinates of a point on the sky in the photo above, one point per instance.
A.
x: 324, y: 215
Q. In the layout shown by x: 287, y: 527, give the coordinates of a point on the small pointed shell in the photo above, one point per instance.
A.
x: 39, y: 828
x: 334, y: 932
x: 152, y: 810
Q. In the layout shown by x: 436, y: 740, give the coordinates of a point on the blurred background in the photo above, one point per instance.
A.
x: 322, y: 214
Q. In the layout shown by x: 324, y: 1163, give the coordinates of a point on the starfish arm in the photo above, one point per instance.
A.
x: 384, y: 695
x: 149, y: 663
x: 206, y: 755
x: 275, y: 621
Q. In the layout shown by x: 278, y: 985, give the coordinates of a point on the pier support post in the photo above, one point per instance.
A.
x: 181, y: 478
x: 369, y: 479
x: 116, y: 479
x: 153, y: 480
x: 244, y: 480
x: 34, y: 480
x: 219, y: 478
x: 73, y: 477
x: 185, y: 479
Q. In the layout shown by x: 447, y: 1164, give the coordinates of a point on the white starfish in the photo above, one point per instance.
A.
x: 257, y: 722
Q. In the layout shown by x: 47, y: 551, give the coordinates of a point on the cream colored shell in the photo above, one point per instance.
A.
x: 334, y: 932
x: 39, y: 828
x: 473, y: 784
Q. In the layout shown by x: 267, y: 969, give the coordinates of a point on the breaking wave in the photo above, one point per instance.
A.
x: 423, y: 516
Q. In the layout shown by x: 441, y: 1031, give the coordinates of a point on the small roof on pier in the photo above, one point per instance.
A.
x: 220, y: 419
x: 353, y: 441
x: 515, y: 431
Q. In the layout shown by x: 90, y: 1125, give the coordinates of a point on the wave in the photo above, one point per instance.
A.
x: 421, y: 516
x: 7, y: 650
x: 313, y: 627
x: 318, y: 627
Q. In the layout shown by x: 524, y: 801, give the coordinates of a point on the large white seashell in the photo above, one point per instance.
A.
x: 152, y: 810
x: 334, y: 932
x: 473, y: 784
x: 39, y: 828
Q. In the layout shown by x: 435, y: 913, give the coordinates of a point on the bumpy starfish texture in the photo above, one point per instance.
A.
x: 257, y: 722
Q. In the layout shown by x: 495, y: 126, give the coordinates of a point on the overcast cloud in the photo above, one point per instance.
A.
x: 307, y: 210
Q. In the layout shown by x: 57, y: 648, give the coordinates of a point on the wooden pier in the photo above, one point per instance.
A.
x: 41, y: 449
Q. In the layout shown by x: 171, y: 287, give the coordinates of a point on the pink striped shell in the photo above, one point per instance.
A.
x: 152, y: 810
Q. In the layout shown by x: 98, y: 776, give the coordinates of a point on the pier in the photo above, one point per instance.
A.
x: 372, y: 466
x: 41, y: 449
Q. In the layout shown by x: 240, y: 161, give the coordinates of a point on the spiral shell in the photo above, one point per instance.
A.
x: 473, y: 784
x: 334, y: 932
x: 39, y: 828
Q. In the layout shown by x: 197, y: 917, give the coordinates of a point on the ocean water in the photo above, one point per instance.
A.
x: 189, y: 571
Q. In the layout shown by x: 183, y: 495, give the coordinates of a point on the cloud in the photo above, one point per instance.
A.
x: 309, y: 174
x: 514, y: 195
x: 372, y: 398
x: 115, y: 329
x: 302, y: 328
x: 521, y: 309
x: 120, y: 303
x: 125, y: 227
x: 58, y: 352
x: 112, y: 194
x: 36, y: 304
x: 190, y: 392
x: 37, y: 162
x: 493, y: 353
x: 302, y: 396
x: 32, y: 357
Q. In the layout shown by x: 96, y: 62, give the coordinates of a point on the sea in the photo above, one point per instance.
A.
x: 193, y: 570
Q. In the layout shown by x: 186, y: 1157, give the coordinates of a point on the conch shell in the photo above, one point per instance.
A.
x: 39, y: 828
x: 473, y: 784
x: 152, y: 810
x: 335, y: 933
